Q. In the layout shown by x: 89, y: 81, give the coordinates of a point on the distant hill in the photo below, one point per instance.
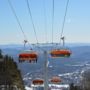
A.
x: 43, y: 44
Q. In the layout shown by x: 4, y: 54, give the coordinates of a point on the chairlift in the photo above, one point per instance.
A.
x: 61, y: 52
x: 55, y: 80
x: 38, y: 81
x: 28, y: 55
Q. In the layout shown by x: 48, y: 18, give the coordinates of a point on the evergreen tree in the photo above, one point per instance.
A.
x: 72, y: 86
x: 1, y: 56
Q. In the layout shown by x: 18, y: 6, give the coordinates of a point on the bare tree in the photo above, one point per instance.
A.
x: 85, y: 82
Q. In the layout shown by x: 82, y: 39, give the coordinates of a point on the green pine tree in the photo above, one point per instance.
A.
x: 1, y: 56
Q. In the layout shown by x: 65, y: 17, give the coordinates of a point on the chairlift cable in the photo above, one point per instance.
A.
x: 61, y: 52
x: 29, y: 9
x: 30, y: 14
x: 64, y: 19
x: 17, y: 19
x: 45, y: 20
x: 52, y: 20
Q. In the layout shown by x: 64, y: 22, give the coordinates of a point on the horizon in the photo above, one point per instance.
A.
x: 71, y: 44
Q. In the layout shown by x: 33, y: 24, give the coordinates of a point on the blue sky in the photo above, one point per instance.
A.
x: 77, y: 25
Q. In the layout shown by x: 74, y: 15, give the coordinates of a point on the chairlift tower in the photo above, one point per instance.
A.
x: 46, y: 71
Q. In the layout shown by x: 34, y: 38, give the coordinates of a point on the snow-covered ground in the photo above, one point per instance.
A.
x: 28, y: 88
x: 51, y: 87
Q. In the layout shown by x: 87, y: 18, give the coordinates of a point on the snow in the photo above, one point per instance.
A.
x: 52, y: 87
x: 28, y: 88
